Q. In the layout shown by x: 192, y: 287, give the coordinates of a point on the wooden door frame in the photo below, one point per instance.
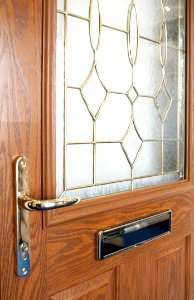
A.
x: 20, y: 134
x: 21, y: 34
x: 104, y: 203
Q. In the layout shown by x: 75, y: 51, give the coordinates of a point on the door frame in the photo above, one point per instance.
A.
x: 105, y: 203
x: 21, y: 53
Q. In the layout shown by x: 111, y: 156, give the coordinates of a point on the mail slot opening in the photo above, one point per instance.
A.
x: 124, y: 237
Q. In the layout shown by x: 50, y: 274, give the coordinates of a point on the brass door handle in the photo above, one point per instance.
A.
x: 23, y: 199
x: 26, y: 202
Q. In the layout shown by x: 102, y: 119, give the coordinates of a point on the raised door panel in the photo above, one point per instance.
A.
x: 170, y: 272
x: 100, y: 294
x: 101, y: 287
x: 72, y: 246
x: 135, y: 278
x: 161, y: 273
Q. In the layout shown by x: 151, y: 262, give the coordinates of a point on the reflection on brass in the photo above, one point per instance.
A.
x: 162, y: 42
x: 24, y: 203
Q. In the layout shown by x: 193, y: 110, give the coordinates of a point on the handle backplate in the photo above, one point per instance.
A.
x: 24, y: 204
x: 22, y: 219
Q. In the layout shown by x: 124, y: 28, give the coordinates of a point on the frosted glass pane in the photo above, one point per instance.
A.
x: 149, y: 160
x: 111, y: 163
x: 79, y: 123
x: 120, y: 95
x: 79, y: 55
x: 79, y: 165
x: 163, y: 41
x: 175, y: 19
x: 80, y: 8
x: 171, y: 73
x: 95, y: 24
x: 132, y: 94
x: 182, y: 71
x: 132, y: 143
x: 155, y: 180
x: 114, y: 12
x: 60, y: 136
x: 163, y: 102
x: 113, y: 63
x: 133, y: 34
x: 150, y: 18
x: 182, y: 24
x: 60, y: 57
x: 148, y: 69
x: 116, y: 107
x: 147, y: 119
x: 170, y: 125
x: 94, y: 100
x: 99, y: 190
x: 60, y: 4
x: 170, y: 156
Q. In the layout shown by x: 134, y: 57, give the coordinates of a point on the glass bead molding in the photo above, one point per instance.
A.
x: 120, y: 95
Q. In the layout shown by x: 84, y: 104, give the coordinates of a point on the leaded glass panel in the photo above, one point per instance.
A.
x: 120, y: 95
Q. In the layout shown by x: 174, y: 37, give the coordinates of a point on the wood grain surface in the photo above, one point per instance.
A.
x: 72, y: 246
x: 48, y: 100
x: 137, y: 284
x: 64, y: 250
x: 20, y: 134
x: 168, y: 266
x: 100, y: 287
x: 106, y: 203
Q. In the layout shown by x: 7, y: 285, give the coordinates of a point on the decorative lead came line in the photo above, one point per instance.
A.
x: 163, y: 44
x: 95, y: 24
x: 115, y: 28
x: 133, y: 35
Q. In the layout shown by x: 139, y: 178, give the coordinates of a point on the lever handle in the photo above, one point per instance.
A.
x: 25, y: 204
x: 28, y: 203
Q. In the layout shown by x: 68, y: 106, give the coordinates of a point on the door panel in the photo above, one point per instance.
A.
x: 72, y: 246
x: 169, y: 271
x: 64, y: 242
x: 136, y: 285
x: 100, y: 287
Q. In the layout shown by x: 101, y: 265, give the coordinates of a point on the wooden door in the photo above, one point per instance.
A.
x: 64, y: 241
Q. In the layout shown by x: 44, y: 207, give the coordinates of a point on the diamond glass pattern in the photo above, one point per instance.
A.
x: 163, y: 101
x: 121, y: 97
x: 94, y: 100
x: 132, y: 143
x: 132, y: 94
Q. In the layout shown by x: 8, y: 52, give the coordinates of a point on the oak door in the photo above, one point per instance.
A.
x: 64, y: 242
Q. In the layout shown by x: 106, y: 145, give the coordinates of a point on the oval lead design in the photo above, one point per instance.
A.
x: 132, y: 34
x: 95, y: 24
x: 163, y: 44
